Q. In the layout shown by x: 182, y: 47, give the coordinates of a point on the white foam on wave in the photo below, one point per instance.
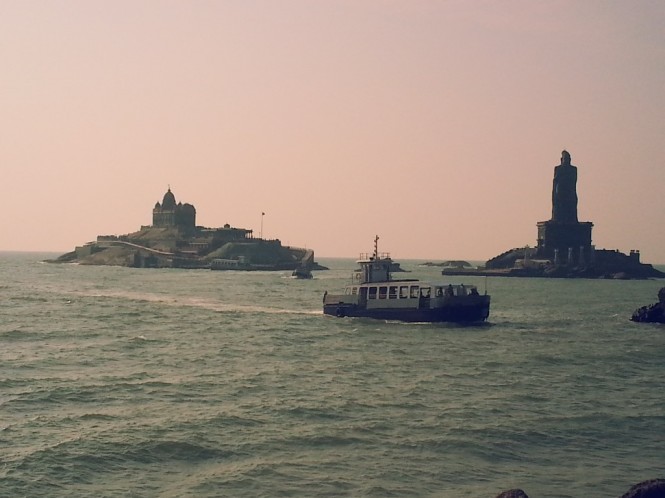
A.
x: 196, y: 302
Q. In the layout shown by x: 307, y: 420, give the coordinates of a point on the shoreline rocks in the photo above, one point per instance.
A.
x: 651, y: 488
x: 654, y: 313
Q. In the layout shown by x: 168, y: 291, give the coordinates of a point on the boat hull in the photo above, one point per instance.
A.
x: 477, y: 311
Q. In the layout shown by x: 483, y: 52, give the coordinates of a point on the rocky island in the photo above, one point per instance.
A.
x: 175, y: 241
x: 564, y: 248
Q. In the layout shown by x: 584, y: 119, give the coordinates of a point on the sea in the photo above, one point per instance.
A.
x: 123, y: 382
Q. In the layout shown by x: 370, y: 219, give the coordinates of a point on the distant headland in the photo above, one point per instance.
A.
x: 564, y: 248
x: 175, y: 241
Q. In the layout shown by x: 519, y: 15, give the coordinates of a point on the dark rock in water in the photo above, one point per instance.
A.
x: 649, y: 314
x: 513, y: 493
x: 653, y: 488
x: 457, y: 263
x: 454, y: 263
x: 654, y: 313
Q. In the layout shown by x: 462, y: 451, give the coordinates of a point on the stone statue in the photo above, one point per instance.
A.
x: 564, y: 191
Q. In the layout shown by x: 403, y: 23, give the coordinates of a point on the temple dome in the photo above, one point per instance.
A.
x: 169, y: 200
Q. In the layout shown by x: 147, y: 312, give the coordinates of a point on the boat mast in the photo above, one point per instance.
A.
x: 376, y: 247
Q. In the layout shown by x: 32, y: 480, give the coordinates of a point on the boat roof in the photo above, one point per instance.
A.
x: 422, y: 283
x: 368, y: 257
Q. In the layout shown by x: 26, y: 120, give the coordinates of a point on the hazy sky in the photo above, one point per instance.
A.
x: 434, y: 124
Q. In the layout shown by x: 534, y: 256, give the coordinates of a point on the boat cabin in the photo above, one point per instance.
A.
x: 406, y: 289
x: 228, y: 264
x: 405, y: 294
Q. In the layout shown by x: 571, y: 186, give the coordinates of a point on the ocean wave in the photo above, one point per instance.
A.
x: 178, y: 383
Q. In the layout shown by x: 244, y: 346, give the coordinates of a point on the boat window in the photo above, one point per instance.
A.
x: 424, y: 291
x: 404, y: 292
x: 372, y: 293
x: 439, y: 292
x: 414, y: 291
x: 383, y: 292
x: 392, y: 292
x: 354, y: 290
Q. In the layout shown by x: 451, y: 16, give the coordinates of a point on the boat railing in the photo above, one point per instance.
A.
x: 370, y: 255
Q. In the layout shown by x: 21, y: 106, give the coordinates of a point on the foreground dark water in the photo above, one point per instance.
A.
x: 127, y: 382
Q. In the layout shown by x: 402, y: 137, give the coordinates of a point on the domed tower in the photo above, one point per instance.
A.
x: 168, y: 202
x: 169, y: 214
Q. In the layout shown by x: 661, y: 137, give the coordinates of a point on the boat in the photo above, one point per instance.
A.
x: 373, y: 293
x: 302, y: 272
x: 229, y: 264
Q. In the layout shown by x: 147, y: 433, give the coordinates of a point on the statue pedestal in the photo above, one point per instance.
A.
x: 572, y: 241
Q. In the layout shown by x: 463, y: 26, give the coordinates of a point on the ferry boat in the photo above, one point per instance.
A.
x: 374, y: 294
x: 229, y: 264
x: 302, y: 272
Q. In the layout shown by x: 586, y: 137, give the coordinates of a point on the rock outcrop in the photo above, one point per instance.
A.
x: 513, y: 493
x: 652, y: 488
x: 654, y: 313
x: 608, y: 264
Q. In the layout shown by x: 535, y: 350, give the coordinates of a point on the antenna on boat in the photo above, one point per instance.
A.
x: 376, y: 247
